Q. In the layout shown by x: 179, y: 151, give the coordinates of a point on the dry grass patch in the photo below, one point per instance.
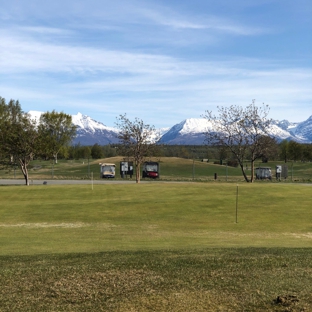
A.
x: 247, y: 279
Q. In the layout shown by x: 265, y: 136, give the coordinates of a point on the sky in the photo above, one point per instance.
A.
x: 162, y: 61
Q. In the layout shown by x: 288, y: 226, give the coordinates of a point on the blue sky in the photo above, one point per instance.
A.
x: 159, y: 60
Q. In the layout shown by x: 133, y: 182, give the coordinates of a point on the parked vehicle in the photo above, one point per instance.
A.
x: 150, y: 170
x: 108, y: 170
x: 263, y: 173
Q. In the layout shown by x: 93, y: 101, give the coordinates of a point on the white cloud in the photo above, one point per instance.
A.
x: 44, y: 30
x: 109, y: 57
x: 203, y: 22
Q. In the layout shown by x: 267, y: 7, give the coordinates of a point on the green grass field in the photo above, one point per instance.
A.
x: 57, y: 219
x: 170, y: 246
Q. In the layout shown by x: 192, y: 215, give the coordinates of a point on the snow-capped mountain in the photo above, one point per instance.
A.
x: 191, y: 131
x: 188, y: 132
x: 90, y: 131
x: 303, y: 131
x: 280, y: 130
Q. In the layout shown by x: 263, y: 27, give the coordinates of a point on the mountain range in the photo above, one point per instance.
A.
x: 187, y: 132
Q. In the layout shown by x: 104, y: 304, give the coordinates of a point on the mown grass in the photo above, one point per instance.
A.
x: 57, y: 219
x: 156, y: 247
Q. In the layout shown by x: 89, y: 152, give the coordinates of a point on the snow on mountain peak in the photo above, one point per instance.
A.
x: 81, y: 121
x: 189, y: 131
x: 85, y: 122
x: 195, y: 125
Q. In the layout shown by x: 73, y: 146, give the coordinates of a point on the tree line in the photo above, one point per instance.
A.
x: 22, y: 138
x: 286, y: 150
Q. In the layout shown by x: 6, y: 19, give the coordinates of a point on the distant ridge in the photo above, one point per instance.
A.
x: 90, y: 132
x: 187, y: 132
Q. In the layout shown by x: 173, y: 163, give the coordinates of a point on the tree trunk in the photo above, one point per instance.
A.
x: 252, y: 175
x: 137, y: 172
x: 244, y: 173
x: 24, y: 169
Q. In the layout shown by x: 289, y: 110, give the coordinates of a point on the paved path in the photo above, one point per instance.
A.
x: 62, y: 182
x: 76, y: 182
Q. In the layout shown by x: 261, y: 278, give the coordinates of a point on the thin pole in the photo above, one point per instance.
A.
x: 193, y: 168
x: 88, y: 167
x: 226, y: 171
x: 92, y: 179
x: 236, y: 202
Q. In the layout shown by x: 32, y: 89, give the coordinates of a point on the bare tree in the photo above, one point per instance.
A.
x: 242, y: 131
x: 137, y: 140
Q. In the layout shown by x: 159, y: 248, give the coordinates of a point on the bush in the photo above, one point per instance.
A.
x: 232, y: 163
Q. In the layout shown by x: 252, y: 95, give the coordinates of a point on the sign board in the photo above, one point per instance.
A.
x: 126, y: 168
x: 278, y: 169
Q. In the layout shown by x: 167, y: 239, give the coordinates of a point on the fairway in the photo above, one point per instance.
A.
x: 156, y: 247
x: 58, y: 219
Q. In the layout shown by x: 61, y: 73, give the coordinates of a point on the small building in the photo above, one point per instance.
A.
x: 107, y: 170
x: 263, y: 173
